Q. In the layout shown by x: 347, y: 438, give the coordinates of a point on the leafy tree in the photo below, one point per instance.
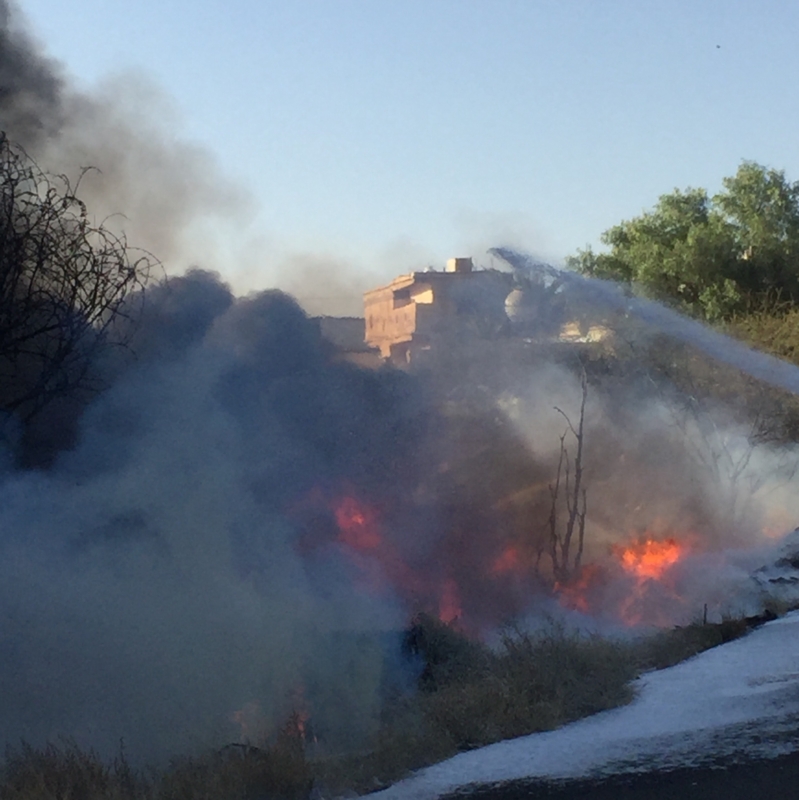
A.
x: 762, y: 210
x: 712, y: 256
x: 63, y: 282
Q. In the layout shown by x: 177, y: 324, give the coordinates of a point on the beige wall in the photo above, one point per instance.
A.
x: 420, y: 306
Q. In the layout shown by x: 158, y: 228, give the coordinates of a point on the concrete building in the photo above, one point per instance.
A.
x: 415, y: 310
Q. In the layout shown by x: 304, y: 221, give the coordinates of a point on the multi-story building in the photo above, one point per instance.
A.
x: 416, y: 310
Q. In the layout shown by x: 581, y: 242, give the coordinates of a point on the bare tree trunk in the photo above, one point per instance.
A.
x: 564, y: 564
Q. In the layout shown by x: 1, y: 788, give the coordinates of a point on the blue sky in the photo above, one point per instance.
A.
x: 383, y: 136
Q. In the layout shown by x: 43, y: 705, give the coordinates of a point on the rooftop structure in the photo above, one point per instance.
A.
x: 416, y: 309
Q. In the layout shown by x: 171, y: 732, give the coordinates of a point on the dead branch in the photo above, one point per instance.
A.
x: 63, y: 282
x: 566, y: 564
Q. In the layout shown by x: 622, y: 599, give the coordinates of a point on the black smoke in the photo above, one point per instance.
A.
x: 144, y: 179
x: 156, y: 578
x: 31, y: 85
x: 179, y: 558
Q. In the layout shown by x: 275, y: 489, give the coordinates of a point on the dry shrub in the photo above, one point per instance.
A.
x: 446, y: 655
x: 468, y: 695
x: 242, y: 773
x: 773, y: 328
x: 408, y: 742
x: 66, y: 772
x: 669, y: 647
x: 233, y: 773
x: 567, y: 675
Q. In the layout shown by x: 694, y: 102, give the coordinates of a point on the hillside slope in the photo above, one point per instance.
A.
x: 735, y: 702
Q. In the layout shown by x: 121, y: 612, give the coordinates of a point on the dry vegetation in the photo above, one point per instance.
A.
x: 773, y: 328
x: 467, y: 695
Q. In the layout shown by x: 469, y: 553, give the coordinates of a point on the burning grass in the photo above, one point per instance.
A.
x: 467, y: 695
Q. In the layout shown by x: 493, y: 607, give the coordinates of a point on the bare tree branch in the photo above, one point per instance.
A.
x: 565, y: 563
x: 63, y: 282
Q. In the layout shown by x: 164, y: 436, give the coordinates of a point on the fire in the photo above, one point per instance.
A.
x: 650, y: 558
x: 449, y: 606
x: 357, y: 524
x: 258, y: 730
x: 252, y: 722
x: 575, y: 595
x: 472, y: 581
x: 636, y: 586
x: 649, y: 561
x: 508, y: 561
x: 382, y: 566
x: 298, y: 726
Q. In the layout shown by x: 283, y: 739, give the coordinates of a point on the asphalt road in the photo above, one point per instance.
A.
x: 762, y: 779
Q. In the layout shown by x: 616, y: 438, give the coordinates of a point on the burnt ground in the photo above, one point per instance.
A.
x: 761, y: 779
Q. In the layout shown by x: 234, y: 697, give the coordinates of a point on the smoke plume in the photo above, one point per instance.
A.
x: 246, y: 522
x: 164, y: 193
x: 31, y: 85
x: 153, y: 580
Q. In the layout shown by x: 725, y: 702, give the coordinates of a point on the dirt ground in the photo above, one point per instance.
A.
x: 772, y: 779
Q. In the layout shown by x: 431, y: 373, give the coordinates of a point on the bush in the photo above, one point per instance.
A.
x: 241, y: 773
x: 63, y: 282
x: 468, y: 695
x: 669, y: 647
x: 472, y: 695
x: 773, y: 328
x: 68, y: 772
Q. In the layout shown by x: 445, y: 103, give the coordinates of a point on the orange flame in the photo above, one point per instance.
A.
x: 647, y: 562
x: 449, y: 606
x: 649, y: 558
x: 508, y: 561
x: 252, y: 723
x: 380, y: 563
x: 574, y: 595
x: 357, y: 524
x: 298, y: 724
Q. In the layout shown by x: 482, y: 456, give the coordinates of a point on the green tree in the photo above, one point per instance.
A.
x: 762, y: 209
x: 712, y: 256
